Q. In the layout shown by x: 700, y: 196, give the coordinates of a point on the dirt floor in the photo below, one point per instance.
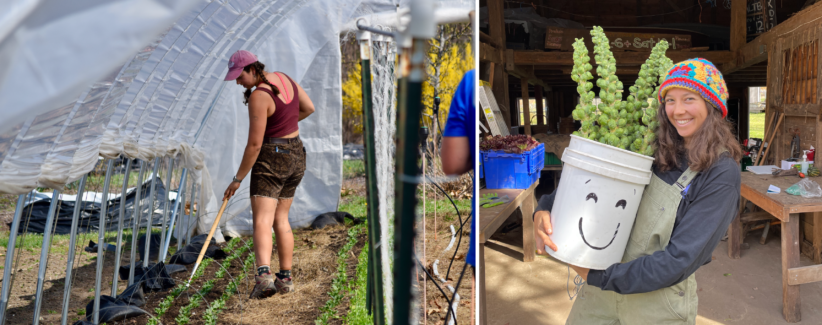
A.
x: 21, y: 298
x: 314, y: 265
x: 315, y: 258
x: 744, y: 291
x: 436, y: 240
x: 315, y: 255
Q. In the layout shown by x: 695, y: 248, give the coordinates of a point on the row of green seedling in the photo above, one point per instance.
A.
x: 166, y: 303
x: 194, y: 300
x: 339, y: 285
x: 217, y: 306
x: 357, y: 310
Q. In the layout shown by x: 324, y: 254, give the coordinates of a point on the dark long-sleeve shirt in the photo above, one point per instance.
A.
x: 701, y: 220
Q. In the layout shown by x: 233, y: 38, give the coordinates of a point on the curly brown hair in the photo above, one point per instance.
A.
x: 259, y: 70
x: 715, y: 132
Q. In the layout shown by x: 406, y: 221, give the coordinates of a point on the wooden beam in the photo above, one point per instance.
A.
x: 756, y: 51
x: 489, y: 53
x: 538, y: 97
x: 790, y: 260
x: 487, y: 39
x: 622, y: 58
x: 525, y: 72
x: 496, y: 21
x: 491, y: 75
x: 738, y: 31
x: 755, y: 216
x: 526, y: 108
x: 496, y: 24
x: 804, y: 274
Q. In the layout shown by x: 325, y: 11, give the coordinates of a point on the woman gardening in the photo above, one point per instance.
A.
x: 692, y: 198
x: 276, y: 158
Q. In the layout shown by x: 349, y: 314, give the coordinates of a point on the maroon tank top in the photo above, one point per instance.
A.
x: 286, y: 115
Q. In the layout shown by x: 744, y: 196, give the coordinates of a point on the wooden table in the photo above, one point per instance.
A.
x: 786, y: 208
x: 492, y: 218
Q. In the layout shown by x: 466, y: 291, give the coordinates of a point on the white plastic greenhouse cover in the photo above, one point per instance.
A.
x: 144, y: 78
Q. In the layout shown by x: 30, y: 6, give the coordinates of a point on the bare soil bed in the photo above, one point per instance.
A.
x: 437, y: 239
x: 314, y: 265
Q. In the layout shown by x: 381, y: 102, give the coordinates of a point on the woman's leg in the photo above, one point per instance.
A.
x: 282, y: 229
x: 263, y: 210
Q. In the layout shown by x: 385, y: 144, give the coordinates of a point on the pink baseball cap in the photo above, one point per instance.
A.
x: 237, y: 62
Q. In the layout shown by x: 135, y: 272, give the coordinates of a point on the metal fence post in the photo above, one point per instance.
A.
x: 123, y: 193
x: 135, y: 219
x: 15, y: 225
x: 101, y: 237
x: 152, y: 193
x: 44, y: 256
x: 78, y: 207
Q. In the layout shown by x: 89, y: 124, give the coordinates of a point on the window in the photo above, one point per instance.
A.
x: 756, y: 112
x: 533, y: 111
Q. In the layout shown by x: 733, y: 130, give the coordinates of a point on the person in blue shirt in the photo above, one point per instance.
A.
x: 459, y: 143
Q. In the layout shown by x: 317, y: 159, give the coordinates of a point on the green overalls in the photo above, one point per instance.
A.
x: 651, y: 233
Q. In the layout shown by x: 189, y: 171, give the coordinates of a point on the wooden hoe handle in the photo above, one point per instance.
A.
x: 211, y: 233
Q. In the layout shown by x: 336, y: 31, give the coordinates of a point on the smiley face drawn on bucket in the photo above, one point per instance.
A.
x: 593, y: 197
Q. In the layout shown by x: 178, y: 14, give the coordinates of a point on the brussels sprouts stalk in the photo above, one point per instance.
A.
x: 627, y: 124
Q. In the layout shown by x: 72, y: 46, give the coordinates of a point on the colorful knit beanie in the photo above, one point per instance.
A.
x: 700, y: 76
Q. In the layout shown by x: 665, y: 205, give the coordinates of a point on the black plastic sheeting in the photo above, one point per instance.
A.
x: 155, y: 277
x: 126, y: 305
x: 140, y: 271
x: 188, y: 254
x: 333, y: 218
x: 133, y: 295
x: 92, y: 247
x: 89, y: 220
x: 153, y: 249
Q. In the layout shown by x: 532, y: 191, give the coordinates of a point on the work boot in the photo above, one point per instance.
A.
x: 265, y: 287
x: 283, y: 285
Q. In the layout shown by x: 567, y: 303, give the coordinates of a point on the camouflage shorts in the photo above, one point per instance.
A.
x: 278, y: 170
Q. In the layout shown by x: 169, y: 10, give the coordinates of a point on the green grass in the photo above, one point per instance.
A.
x: 353, y: 168
x: 445, y: 209
x: 60, y: 243
x: 358, y: 311
x: 356, y: 206
x: 757, y: 125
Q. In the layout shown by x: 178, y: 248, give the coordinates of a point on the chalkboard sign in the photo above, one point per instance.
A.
x: 557, y: 38
x: 761, y: 17
x: 553, y: 38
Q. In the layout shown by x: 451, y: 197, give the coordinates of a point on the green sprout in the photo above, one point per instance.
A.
x: 628, y: 124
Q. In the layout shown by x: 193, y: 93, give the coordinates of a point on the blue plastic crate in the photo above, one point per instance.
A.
x: 512, y: 170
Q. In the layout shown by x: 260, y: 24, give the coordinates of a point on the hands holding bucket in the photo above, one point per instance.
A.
x: 542, y: 232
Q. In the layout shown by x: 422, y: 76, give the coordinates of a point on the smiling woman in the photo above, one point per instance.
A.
x: 684, y: 211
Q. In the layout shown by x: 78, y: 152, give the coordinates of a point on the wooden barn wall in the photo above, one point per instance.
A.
x: 793, y: 90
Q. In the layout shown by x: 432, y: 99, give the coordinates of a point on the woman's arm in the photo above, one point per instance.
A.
x: 257, y: 117
x: 456, y: 155
x: 306, y: 106
x: 693, y: 240
x: 257, y: 114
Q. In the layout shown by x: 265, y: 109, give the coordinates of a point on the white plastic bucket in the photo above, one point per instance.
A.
x: 596, y: 202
